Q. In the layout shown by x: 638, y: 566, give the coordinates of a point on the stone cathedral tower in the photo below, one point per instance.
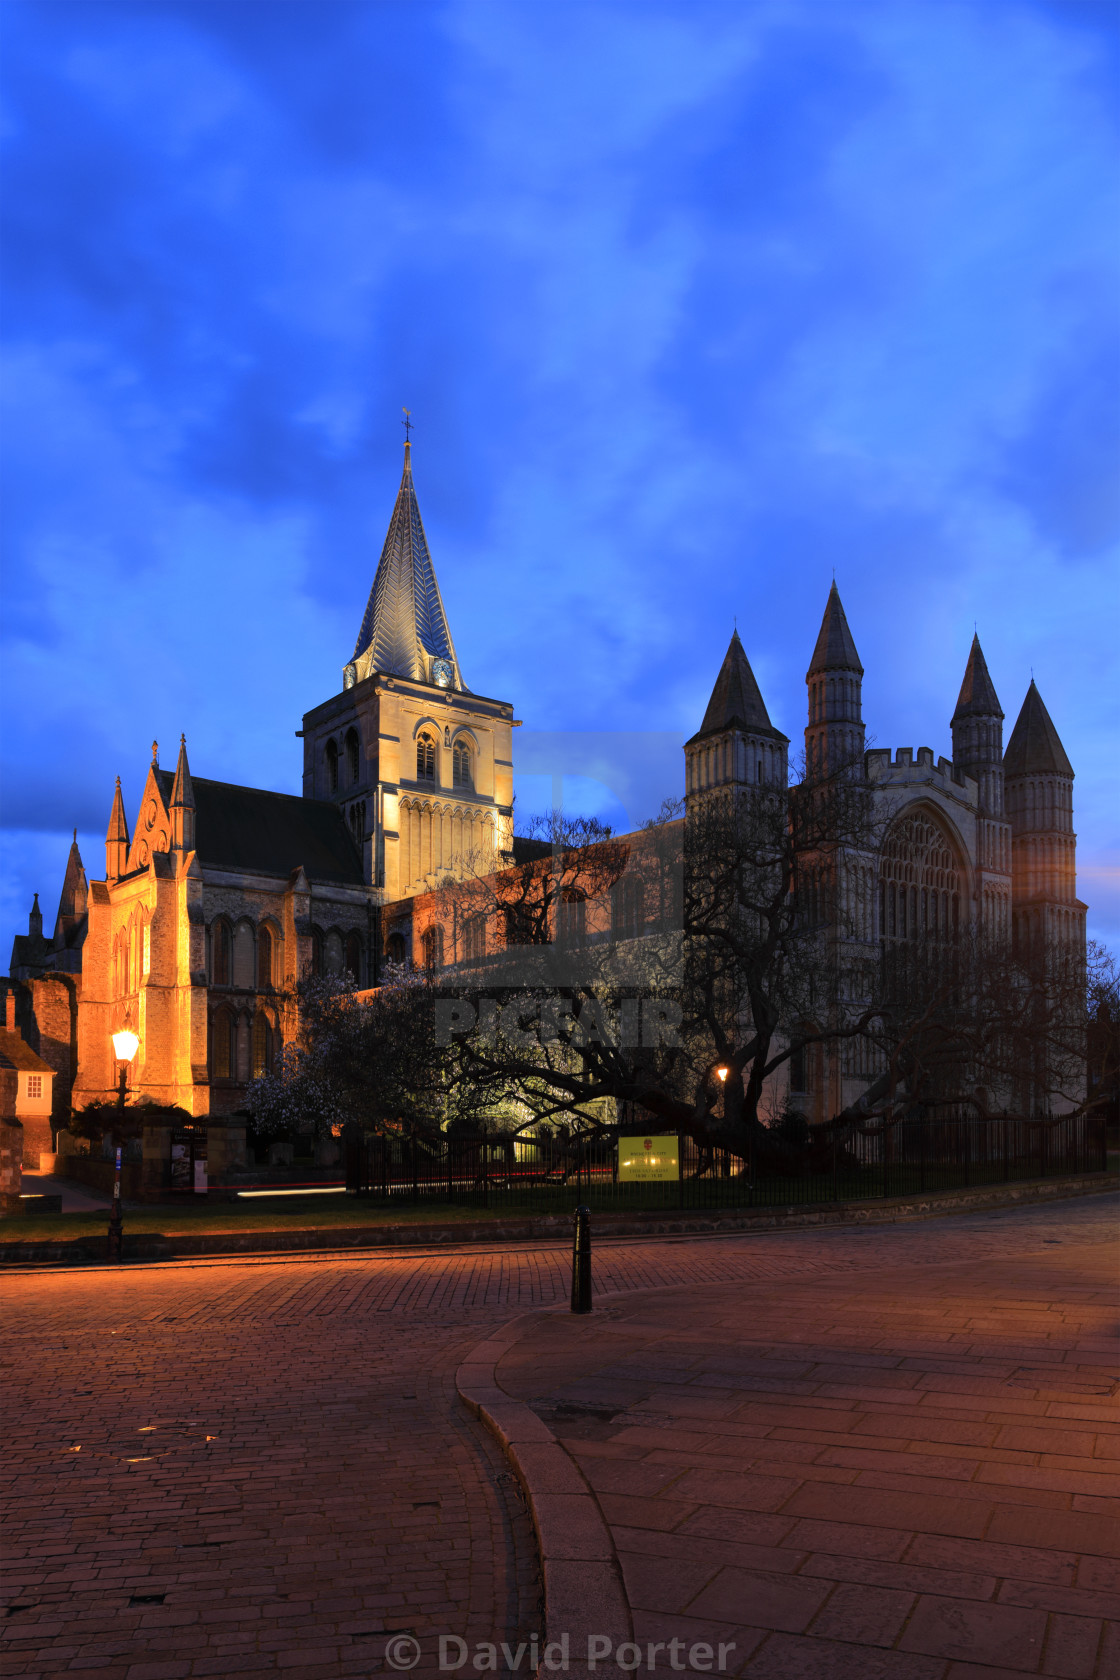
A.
x: 421, y: 767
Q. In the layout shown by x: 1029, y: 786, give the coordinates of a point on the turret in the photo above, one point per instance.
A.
x: 834, y: 737
x: 1039, y: 790
x: 978, y: 732
x: 116, y: 839
x: 182, y: 804
x: 736, y: 745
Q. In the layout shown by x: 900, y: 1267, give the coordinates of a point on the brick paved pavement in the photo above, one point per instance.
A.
x: 272, y: 1450
x: 911, y: 1475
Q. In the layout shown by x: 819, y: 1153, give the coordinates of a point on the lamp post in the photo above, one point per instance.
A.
x: 125, y: 1046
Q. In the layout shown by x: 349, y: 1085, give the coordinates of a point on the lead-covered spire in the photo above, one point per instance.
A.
x: 834, y: 738
x: 978, y: 732
x: 405, y: 632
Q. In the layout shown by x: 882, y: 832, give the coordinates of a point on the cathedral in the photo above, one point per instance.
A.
x: 218, y: 897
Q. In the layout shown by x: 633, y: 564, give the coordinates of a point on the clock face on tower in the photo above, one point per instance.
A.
x: 442, y: 673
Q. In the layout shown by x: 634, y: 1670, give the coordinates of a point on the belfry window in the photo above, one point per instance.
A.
x: 461, y: 766
x: 352, y: 755
x: 425, y: 759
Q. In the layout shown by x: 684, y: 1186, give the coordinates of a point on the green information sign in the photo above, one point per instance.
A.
x: 648, y: 1160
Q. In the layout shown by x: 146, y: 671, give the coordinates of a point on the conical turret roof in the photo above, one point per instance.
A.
x: 736, y: 701
x: 75, y: 888
x: 978, y: 696
x: 1035, y: 748
x: 405, y: 624
x: 836, y: 648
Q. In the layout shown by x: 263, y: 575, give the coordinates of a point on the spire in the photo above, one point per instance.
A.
x: 1035, y: 748
x: 116, y: 838
x: 35, y: 920
x: 736, y: 701
x: 977, y: 697
x: 75, y: 891
x: 405, y: 628
x: 835, y: 649
x: 182, y: 803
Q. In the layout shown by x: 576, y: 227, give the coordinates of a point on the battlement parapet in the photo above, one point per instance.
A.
x: 907, y: 769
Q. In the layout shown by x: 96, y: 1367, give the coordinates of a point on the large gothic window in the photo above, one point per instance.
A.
x: 461, y: 766
x: 425, y: 759
x: 920, y: 882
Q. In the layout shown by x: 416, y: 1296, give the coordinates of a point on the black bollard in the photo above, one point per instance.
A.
x: 116, y: 1217
x: 581, y: 1262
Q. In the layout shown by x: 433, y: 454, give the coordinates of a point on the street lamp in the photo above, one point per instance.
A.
x: 125, y: 1046
x: 721, y: 1074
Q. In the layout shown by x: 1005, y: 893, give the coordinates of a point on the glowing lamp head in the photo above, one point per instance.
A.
x: 721, y: 1074
x: 125, y: 1044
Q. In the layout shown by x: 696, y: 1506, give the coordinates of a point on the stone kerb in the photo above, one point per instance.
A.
x: 583, y: 1591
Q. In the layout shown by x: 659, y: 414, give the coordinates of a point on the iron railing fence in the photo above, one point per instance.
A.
x: 551, y: 1173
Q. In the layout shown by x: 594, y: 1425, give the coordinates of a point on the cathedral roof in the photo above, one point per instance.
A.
x: 977, y: 697
x: 1034, y: 748
x: 836, y: 648
x: 405, y: 624
x: 736, y: 701
x: 253, y: 829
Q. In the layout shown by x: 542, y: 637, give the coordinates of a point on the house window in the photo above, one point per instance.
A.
x: 433, y: 947
x: 34, y: 1084
x: 332, y: 766
x: 628, y: 907
x: 573, y: 917
x: 425, y: 759
x: 264, y: 958
x: 352, y: 755
x: 461, y: 766
x: 220, y: 954
x: 474, y: 938
x: 354, y: 956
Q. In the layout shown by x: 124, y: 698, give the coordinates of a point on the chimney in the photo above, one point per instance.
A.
x: 10, y: 1009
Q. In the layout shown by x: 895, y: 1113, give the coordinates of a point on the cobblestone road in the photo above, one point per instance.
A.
x: 257, y: 1467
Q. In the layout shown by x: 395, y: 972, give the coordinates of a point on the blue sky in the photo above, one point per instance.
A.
x: 694, y: 303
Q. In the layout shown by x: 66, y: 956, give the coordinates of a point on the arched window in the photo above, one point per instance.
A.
x: 316, y: 952
x: 332, y: 766
x: 461, y: 776
x: 433, y: 946
x: 220, y: 954
x: 394, y: 948
x: 263, y: 1042
x: 352, y: 755
x: 425, y: 759
x: 332, y: 952
x: 223, y: 1048
x: 354, y: 956
x: 264, y: 958
x: 358, y: 822
x: 573, y: 916
x: 920, y: 883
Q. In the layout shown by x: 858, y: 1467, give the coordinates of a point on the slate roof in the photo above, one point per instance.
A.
x: 978, y: 696
x: 836, y: 648
x: 272, y: 833
x: 404, y: 617
x: 14, y: 1053
x: 736, y: 701
x: 1034, y: 748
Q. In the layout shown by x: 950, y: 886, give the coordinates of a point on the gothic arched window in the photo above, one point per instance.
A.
x: 220, y: 954
x: 425, y: 759
x: 263, y: 1042
x: 358, y: 822
x: 461, y: 776
x: 573, y: 916
x: 264, y: 958
x: 433, y: 946
x: 332, y: 766
x: 223, y: 1050
x: 394, y: 948
x: 316, y: 952
x: 354, y: 956
x: 920, y: 882
x: 352, y: 755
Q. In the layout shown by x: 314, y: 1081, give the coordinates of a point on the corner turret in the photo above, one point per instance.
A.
x: 834, y: 737
x: 736, y: 745
x: 1039, y: 783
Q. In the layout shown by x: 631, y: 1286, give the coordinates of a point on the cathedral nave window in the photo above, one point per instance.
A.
x: 220, y: 954
x: 223, y: 1051
x: 461, y: 766
x: 425, y: 759
x: 264, y: 958
x: 352, y: 756
x: 316, y: 952
x: 263, y: 1044
x: 332, y: 766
